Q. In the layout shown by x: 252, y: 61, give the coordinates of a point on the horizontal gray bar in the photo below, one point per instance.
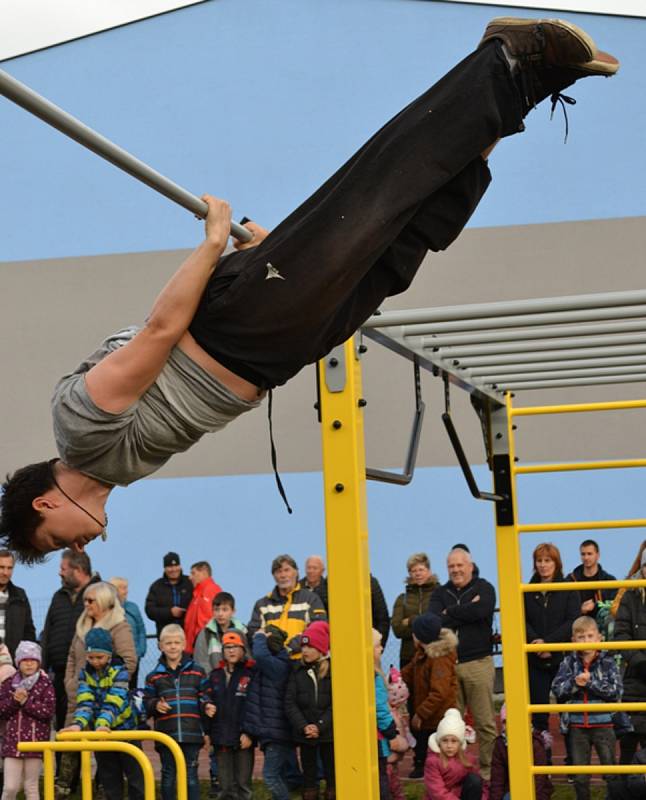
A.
x: 517, y: 387
x: 638, y: 362
x: 580, y: 354
x: 498, y: 380
x: 504, y: 308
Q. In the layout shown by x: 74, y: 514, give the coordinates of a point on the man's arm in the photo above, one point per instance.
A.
x: 121, y: 378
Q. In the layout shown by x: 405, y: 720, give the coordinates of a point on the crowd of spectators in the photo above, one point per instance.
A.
x: 266, y: 682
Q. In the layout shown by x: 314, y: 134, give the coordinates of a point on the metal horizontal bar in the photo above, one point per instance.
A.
x: 533, y: 469
x: 578, y: 372
x: 519, y: 387
x: 520, y: 320
x: 519, y: 334
x: 569, y: 586
x: 579, y: 354
x: 562, y: 647
x: 37, y: 105
x: 592, y: 769
x: 576, y: 408
x: 504, y: 308
x: 593, y: 525
x: 505, y: 370
x: 581, y: 708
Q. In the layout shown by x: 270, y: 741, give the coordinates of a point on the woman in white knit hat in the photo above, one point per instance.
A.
x: 449, y: 773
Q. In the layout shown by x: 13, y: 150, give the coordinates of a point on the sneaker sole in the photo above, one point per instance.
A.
x: 603, y: 64
x: 578, y: 33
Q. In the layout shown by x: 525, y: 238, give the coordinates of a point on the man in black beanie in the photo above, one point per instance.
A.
x: 169, y: 596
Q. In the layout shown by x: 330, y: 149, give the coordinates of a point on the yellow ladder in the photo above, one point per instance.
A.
x: 512, y: 589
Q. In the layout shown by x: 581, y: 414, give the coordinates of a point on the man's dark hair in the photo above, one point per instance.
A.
x: 278, y: 562
x: 589, y: 543
x: 18, y: 518
x: 78, y: 561
x: 202, y: 565
x: 224, y: 599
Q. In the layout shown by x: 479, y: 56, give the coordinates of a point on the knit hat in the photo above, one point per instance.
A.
x: 171, y: 560
x: 451, y: 724
x: 98, y: 640
x: 317, y: 635
x: 233, y: 637
x: 27, y: 650
x: 276, y: 638
x: 427, y: 627
x: 5, y: 655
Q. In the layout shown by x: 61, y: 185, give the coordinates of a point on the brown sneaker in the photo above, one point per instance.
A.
x: 601, y: 64
x: 546, y: 42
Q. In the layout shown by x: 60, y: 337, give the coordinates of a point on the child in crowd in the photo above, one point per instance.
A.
x: 398, y: 696
x: 499, y: 785
x: 7, y: 670
x: 389, y: 740
x: 173, y: 695
x: 103, y: 704
x: 308, y: 704
x: 228, y: 687
x: 588, y: 676
x: 208, y: 645
x: 431, y: 678
x: 449, y: 774
x: 27, y: 703
x: 265, y: 718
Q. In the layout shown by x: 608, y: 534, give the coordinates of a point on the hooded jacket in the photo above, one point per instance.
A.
x: 308, y: 701
x: 604, y: 687
x: 184, y: 689
x: 471, y: 621
x: 431, y: 679
x: 228, y: 693
x: 265, y: 718
x: 444, y: 781
x: 200, y: 610
x: 410, y: 604
x: 207, y: 651
x: 30, y: 722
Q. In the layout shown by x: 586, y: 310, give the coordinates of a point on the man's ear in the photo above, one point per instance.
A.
x: 44, y: 503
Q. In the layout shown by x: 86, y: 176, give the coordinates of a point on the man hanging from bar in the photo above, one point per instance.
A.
x: 224, y: 330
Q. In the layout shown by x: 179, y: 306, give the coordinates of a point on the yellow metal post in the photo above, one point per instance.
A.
x: 48, y: 775
x: 86, y: 775
x: 344, y: 478
x: 512, y: 612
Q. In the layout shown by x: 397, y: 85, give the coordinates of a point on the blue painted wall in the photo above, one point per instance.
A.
x: 260, y: 100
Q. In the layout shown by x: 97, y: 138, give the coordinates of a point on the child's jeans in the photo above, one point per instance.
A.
x: 582, y: 740
x: 21, y: 773
x: 169, y: 773
x: 235, y: 767
x: 274, y: 769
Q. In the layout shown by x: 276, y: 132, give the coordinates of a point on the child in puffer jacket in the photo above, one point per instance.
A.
x: 449, y: 774
x: 27, y: 702
x: 7, y: 670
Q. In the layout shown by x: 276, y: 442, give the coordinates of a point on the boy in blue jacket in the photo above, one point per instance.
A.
x: 103, y: 703
x: 228, y: 688
x: 173, y: 696
x: 588, y: 676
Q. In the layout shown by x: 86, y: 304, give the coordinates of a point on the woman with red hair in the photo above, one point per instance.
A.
x: 548, y: 618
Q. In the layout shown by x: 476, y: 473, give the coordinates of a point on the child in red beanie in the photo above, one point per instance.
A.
x: 308, y: 705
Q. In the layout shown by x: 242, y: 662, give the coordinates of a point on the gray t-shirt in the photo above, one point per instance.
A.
x: 183, y: 404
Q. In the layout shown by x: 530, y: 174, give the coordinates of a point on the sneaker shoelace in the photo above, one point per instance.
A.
x: 557, y: 97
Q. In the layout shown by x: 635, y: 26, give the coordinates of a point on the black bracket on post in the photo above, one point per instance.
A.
x: 459, y: 452
x: 404, y: 478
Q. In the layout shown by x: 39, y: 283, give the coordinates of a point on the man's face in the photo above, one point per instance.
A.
x: 460, y: 569
x: 65, y: 525
x: 172, y: 647
x: 99, y: 660
x: 589, y: 556
x: 222, y: 614
x: 69, y: 575
x: 314, y: 569
x: 286, y: 577
x: 198, y: 575
x: 173, y: 573
x: 6, y: 570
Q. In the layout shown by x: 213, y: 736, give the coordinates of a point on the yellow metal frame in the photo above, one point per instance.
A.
x: 85, y: 748
x: 521, y: 764
x: 344, y: 479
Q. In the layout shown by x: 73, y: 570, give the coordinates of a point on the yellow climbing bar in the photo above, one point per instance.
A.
x: 576, y: 466
x: 593, y: 769
x: 138, y: 736
x: 582, y: 708
x: 562, y: 647
x: 544, y: 527
x: 575, y: 586
x: 574, y: 408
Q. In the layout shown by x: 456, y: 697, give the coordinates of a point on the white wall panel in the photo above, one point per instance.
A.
x: 29, y: 25
x: 622, y: 8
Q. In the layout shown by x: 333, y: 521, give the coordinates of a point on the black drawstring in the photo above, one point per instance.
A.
x: 274, y: 461
x: 557, y: 97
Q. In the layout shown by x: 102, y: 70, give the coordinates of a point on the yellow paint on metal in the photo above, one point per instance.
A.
x: 112, y: 746
x: 576, y: 408
x: 86, y: 775
x: 512, y: 621
x: 48, y: 775
x: 546, y: 527
x: 593, y: 769
x: 353, y: 674
x: 139, y: 736
x: 561, y: 647
x: 592, y: 708
x: 569, y: 586
x: 627, y: 463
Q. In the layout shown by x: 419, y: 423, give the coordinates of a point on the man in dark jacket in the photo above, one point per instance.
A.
x: 60, y: 623
x: 466, y: 603
x: 16, y: 622
x: 265, y: 717
x: 169, y: 596
x: 591, y: 570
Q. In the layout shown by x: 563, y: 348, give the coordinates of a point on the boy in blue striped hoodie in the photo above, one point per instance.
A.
x: 588, y: 676
x: 103, y: 704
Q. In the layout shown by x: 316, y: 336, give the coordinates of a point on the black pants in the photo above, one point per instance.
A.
x: 114, y: 767
x: 362, y: 236
x: 540, y: 684
x: 471, y: 788
x: 309, y: 762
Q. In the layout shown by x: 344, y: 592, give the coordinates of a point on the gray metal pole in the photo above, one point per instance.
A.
x: 637, y: 362
x: 578, y: 354
x: 550, y: 375
x: 517, y: 387
x: 37, y: 105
